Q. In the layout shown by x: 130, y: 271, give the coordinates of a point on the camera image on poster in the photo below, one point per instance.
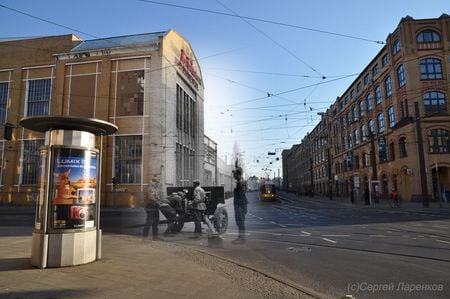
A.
x: 74, y: 188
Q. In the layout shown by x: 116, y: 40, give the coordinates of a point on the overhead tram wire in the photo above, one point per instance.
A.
x: 291, y: 90
x: 263, y: 21
x: 273, y: 40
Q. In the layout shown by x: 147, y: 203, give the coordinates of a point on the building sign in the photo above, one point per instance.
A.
x: 74, y: 188
x: 186, y: 64
x: 382, y: 154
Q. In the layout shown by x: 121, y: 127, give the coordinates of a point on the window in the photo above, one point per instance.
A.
x: 356, y: 136
x: 396, y: 46
x: 439, y: 140
x: 375, y: 70
x: 130, y: 93
x: 361, y: 108
x: 186, y: 112
x: 358, y: 87
x: 355, y: 114
x: 371, y: 127
x: 128, y: 159
x: 369, y: 102
x: 30, y: 161
x: 350, y: 141
x: 356, y: 160
x: 391, y: 151
x: 401, y: 76
x: 365, y: 160
x: 367, y: 80
x: 435, y: 102
x: 428, y: 36
x: 402, y: 147
x: 380, y: 119
x: 345, y: 100
x: 378, y: 97
x: 391, y: 114
x: 4, y: 87
x: 385, y: 60
x: 38, y: 97
x: 388, y: 86
x: 430, y: 69
x: 352, y: 94
x: 363, y: 133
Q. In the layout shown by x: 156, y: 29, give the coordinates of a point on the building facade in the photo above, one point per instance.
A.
x: 391, y: 127
x: 149, y: 85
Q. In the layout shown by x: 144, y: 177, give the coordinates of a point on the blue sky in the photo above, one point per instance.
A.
x: 244, y: 60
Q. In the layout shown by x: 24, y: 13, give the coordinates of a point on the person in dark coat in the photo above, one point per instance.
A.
x: 240, y: 203
x: 352, y: 197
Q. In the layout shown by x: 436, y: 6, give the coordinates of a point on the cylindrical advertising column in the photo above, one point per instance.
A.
x: 67, y: 227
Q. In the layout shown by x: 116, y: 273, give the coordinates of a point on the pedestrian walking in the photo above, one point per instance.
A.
x: 151, y: 204
x: 240, y: 203
x: 394, y: 198
x: 367, y: 196
x: 352, y: 197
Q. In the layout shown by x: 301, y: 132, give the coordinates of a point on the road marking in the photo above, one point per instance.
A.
x: 282, y: 225
x: 332, y: 241
x: 377, y: 236
x: 306, y: 233
x: 335, y: 235
x: 446, y: 242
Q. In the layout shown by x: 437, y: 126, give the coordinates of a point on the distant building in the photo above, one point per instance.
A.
x: 210, y: 177
x: 391, y: 126
x: 225, y: 177
x: 149, y: 85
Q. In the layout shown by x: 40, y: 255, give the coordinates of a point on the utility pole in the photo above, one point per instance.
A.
x: 373, y: 158
x: 330, y: 178
x: 423, y: 174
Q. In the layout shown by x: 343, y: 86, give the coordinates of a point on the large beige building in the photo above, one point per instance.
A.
x: 391, y: 126
x: 149, y: 85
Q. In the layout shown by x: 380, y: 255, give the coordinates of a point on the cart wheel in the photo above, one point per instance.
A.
x: 220, y: 220
x: 178, y: 225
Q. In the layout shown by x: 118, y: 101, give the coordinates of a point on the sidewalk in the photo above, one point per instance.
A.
x: 382, y: 204
x: 129, y: 268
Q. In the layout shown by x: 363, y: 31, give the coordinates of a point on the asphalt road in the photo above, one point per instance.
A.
x: 326, y: 248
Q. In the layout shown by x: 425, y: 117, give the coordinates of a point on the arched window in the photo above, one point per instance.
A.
x: 363, y: 133
x: 430, y: 69
x: 361, y: 108
x: 380, y: 119
x: 428, y: 36
x: 369, y: 102
x: 356, y: 136
x: 388, y: 86
x: 391, y: 114
x: 396, y: 46
x: 371, y: 127
x: 391, y: 151
x: 435, y: 102
x: 402, y: 147
x: 365, y: 160
x: 439, y: 140
x: 378, y: 97
x: 401, y: 75
x: 350, y: 143
x: 355, y: 114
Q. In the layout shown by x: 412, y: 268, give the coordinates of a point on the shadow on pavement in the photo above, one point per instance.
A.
x: 12, y: 264
x: 61, y: 293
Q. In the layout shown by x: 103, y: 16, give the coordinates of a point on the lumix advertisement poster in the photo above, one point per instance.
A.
x: 74, y: 188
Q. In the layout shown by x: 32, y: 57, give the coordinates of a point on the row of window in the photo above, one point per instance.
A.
x: 80, y: 91
x: 438, y: 143
x: 430, y: 69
